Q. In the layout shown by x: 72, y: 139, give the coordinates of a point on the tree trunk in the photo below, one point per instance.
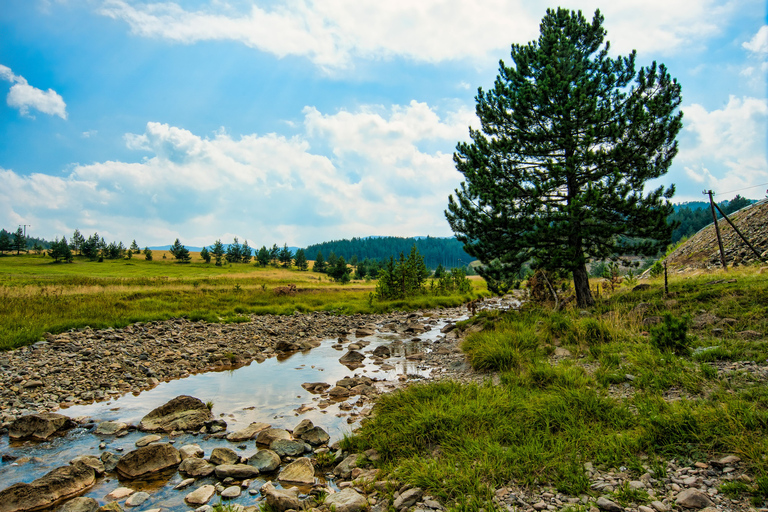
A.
x: 581, y: 285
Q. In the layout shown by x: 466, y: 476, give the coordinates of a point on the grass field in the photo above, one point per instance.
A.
x: 38, y: 296
x: 548, y: 416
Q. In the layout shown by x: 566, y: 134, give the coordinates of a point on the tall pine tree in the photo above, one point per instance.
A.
x: 569, y: 138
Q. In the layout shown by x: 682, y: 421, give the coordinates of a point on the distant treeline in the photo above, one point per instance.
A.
x: 695, y: 215
x: 447, y: 252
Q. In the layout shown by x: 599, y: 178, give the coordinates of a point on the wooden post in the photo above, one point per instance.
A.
x: 717, y: 230
x: 666, y: 283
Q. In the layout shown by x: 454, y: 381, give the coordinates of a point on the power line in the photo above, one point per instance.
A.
x: 739, y: 190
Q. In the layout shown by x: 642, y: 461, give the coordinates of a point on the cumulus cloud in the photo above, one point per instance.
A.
x: 725, y: 148
x: 759, y: 43
x: 23, y: 96
x: 332, y: 33
x: 372, y: 171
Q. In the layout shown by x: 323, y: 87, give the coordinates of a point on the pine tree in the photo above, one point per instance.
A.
x: 5, y: 242
x: 319, y: 265
x: 300, y: 260
x: 205, y: 255
x: 77, y: 241
x: 339, y: 271
x: 263, y: 256
x: 217, y: 250
x: 569, y: 138
x: 90, y: 248
x: 285, y: 256
x: 233, y: 252
x: 274, y: 254
x: 180, y: 252
x: 60, y: 250
x: 19, y: 241
x: 134, y: 247
x: 148, y: 254
x: 245, y: 252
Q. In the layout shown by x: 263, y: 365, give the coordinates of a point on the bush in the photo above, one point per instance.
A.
x: 671, y: 335
x: 657, y: 269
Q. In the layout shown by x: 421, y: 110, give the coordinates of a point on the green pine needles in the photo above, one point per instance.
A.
x: 569, y: 137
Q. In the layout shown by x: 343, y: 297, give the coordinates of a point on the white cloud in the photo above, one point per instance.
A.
x: 23, y: 96
x: 332, y: 33
x: 725, y: 148
x: 759, y: 43
x: 388, y: 171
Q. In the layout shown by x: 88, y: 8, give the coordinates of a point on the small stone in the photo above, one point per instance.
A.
x: 348, y: 500
x: 408, y: 498
x: 607, y: 505
x: 299, y: 471
x: 693, y: 498
x: 231, y: 492
x: 144, y: 441
x: 119, y: 494
x: 659, y: 506
x: 224, y: 456
x: 201, y: 495
x: 136, y: 499
x: 191, y: 450
x: 184, y: 483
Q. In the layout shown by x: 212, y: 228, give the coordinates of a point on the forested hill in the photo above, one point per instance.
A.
x: 694, y: 216
x: 447, y: 252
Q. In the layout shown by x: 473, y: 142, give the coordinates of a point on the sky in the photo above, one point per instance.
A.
x: 310, y: 120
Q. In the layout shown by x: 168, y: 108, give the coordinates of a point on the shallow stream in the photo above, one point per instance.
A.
x: 268, y: 392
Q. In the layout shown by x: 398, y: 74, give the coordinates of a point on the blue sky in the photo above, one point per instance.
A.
x: 303, y: 121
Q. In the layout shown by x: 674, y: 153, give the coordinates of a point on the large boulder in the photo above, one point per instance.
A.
x: 39, y: 426
x: 236, y: 471
x: 353, y: 357
x: 281, y: 500
x: 182, y: 413
x: 193, y: 466
x: 300, y: 471
x: 344, y: 468
x: 316, y: 436
x: 248, y: 432
x: 265, y: 461
x: 58, y: 485
x: 148, y: 459
x: 221, y: 455
x: 268, y: 435
x: 348, y: 500
x: 81, y: 504
x: 284, y: 447
x: 191, y: 450
x: 93, y: 462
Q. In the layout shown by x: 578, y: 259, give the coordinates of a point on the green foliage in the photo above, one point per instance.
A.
x: 300, y: 260
x: 533, y: 190
x: 262, y: 257
x: 657, y: 269
x: 319, y: 265
x: 217, y: 250
x: 671, y: 334
x: 285, y: 256
x: 77, y: 241
x: 340, y: 272
x: 19, y: 242
x: 454, y: 281
x: 234, y: 252
x: 205, y: 255
x: 5, y: 242
x: 180, y: 252
x: 404, y: 278
x: 60, y: 250
x: 148, y: 254
x: 246, y: 252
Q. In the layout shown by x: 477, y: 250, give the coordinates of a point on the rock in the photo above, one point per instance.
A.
x: 110, y: 460
x: 224, y: 456
x: 344, y: 468
x: 408, y: 498
x: 196, y: 467
x: 184, y: 483
x: 382, y: 351
x: 110, y: 507
x: 191, y: 450
x: 299, y: 471
x: 80, y: 504
x: 137, y: 499
x: 283, y: 447
x: 231, y: 492
x: 144, y: 441
x: 60, y: 484
x: 110, y: 428
x: 607, y: 505
x: 92, y: 462
x: 148, y: 459
x: 201, y: 495
x: 119, y: 494
x: 348, y: 500
x: 184, y: 413
x: 265, y: 461
x: 247, y: 433
x: 236, y: 471
x: 750, y: 334
x: 316, y: 436
x: 693, y: 498
x: 266, y: 436
x: 315, y: 387
x: 659, y: 506
x: 281, y: 499
x: 303, y: 426
x: 352, y: 357
x: 362, y: 332
x: 39, y: 426
x: 338, y: 392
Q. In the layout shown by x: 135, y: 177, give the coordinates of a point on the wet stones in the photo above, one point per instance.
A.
x: 281, y: 499
x: 236, y: 471
x: 39, y: 426
x: 110, y: 428
x: 148, y: 459
x: 223, y: 456
x: 183, y: 413
x: 247, y: 433
x: 196, y: 467
x: 265, y: 461
x: 352, y: 358
x: 201, y: 495
x: 300, y: 471
x: 348, y: 500
x: 54, y: 487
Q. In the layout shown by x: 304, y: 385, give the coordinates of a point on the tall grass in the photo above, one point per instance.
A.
x: 37, y: 296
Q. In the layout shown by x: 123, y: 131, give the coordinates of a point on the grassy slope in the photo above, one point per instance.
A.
x: 38, y: 296
x: 545, y: 419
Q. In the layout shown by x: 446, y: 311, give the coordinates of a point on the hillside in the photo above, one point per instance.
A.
x: 701, y: 250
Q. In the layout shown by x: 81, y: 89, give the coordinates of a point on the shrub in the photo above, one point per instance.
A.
x: 671, y: 335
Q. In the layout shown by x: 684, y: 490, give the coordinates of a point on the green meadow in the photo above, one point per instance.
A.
x: 38, y: 296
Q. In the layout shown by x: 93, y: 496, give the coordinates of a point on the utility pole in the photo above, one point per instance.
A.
x: 25, y: 229
x: 717, y: 229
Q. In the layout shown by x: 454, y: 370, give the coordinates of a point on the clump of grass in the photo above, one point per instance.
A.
x: 671, y: 334
x: 503, y: 349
